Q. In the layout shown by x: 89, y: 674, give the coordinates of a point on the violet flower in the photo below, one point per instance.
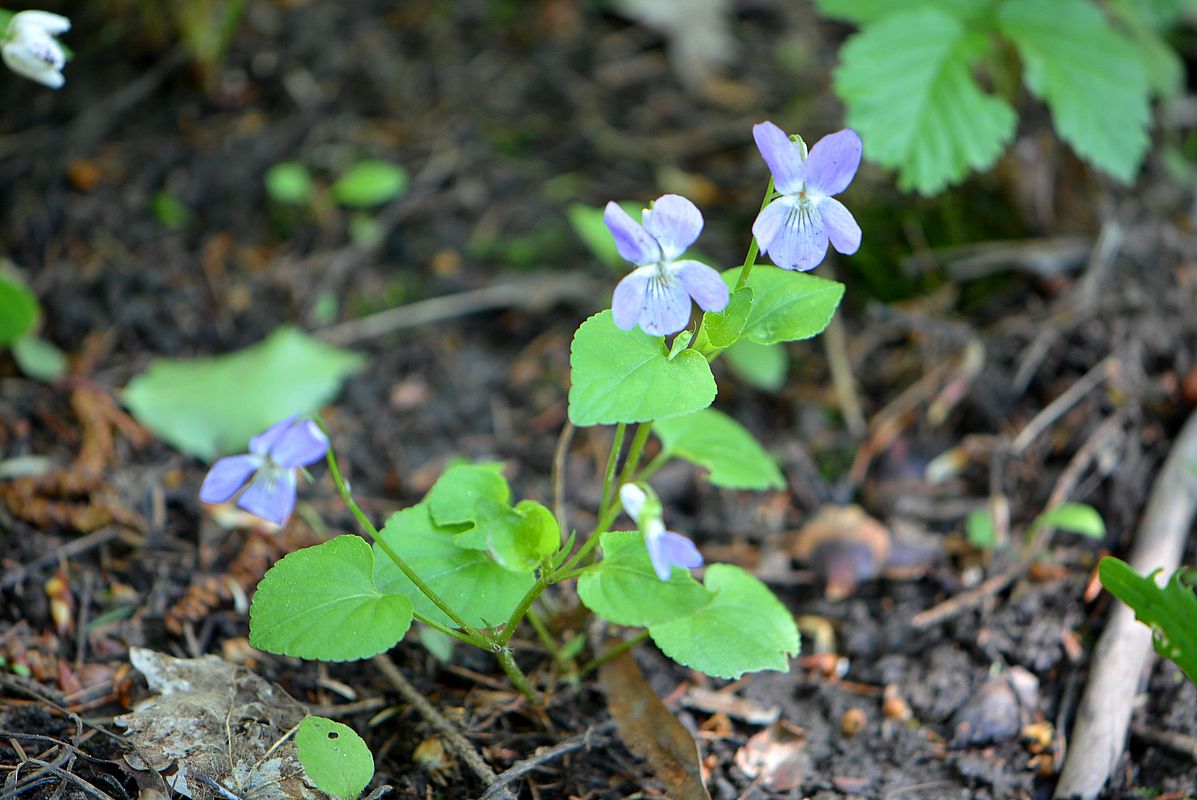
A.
x: 29, y: 48
x: 665, y: 548
x: 267, y: 473
x: 658, y: 292
x: 794, y: 229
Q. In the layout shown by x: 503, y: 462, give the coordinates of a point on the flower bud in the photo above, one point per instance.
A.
x: 30, y: 49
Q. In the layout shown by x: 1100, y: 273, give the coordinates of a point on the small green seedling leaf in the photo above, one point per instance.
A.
x: 452, y: 498
x: 624, y: 589
x: 470, y: 581
x: 336, y: 759
x: 289, y: 182
x: 170, y: 210
x: 764, y: 366
x: 721, y: 329
x: 1171, y: 612
x: 518, y: 539
x: 322, y: 603
x: 744, y: 628
x: 18, y: 310
x: 626, y: 376
x: 714, y: 440
x: 1074, y: 517
x: 39, y: 359
x: 209, y: 406
x: 787, y: 305
x: 370, y: 183
x: 979, y: 529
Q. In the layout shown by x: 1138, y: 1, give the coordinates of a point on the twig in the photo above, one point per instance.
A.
x: 842, y: 379
x: 1056, y: 408
x: 66, y: 551
x: 1177, y: 742
x: 586, y: 739
x: 560, y: 452
x: 460, y: 745
x: 1124, y: 651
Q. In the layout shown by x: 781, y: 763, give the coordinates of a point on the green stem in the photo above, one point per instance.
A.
x: 651, y: 467
x: 612, y: 462
x: 635, y: 451
x: 753, y: 249
x: 542, y: 633
x: 476, y: 637
x: 515, y: 674
x: 525, y: 603
x: 445, y: 629
x: 617, y: 650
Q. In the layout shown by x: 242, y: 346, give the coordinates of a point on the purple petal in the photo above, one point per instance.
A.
x: 631, y: 239
x: 833, y: 162
x: 630, y: 295
x: 270, y: 496
x: 769, y: 223
x: 263, y: 442
x: 801, y: 240
x: 783, y: 156
x: 670, y: 549
x: 301, y: 444
x: 227, y: 476
x: 666, y: 307
x: 675, y: 223
x: 703, y: 284
x: 841, y: 226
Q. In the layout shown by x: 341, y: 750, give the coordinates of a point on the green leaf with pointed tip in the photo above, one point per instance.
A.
x: 1091, y: 77
x: 624, y: 588
x: 1074, y: 517
x: 18, y: 310
x: 908, y: 85
x: 518, y: 539
x: 1171, y: 612
x: 714, y: 440
x: 370, y: 183
x: 745, y: 628
x: 210, y: 406
x: 321, y: 603
x: 626, y: 376
x: 336, y: 759
x: 787, y: 306
x: 721, y: 329
x: 764, y: 366
x: 469, y: 581
x: 452, y: 498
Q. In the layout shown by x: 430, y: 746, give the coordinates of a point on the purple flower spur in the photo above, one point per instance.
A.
x: 656, y: 295
x: 267, y: 473
x: 666, y: 549
x: 795, y: 228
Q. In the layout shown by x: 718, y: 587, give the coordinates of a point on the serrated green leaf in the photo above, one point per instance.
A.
x: 209, y: 406
x: 744, y: 628
x: 624, y: 589
x: 39, y: 359
x: 1144, y: 22
x: 786, y: 305
x: 336, y: 759
x: 626, y: 376
x: 289, y: 182
x: 908, y: 86
x: 470, y: 581
x: 1171, y: 612
x: 18, y: 310
x: 865, y: 11
x: 370, y: 183
x: 451, y: 499
x: 518, y: 539
x: 714, y: 440
x: 1074, y: 517
x: 1090, y: 76
x: 722, y: 329
x: 321, y: 603
x: 761, y: 365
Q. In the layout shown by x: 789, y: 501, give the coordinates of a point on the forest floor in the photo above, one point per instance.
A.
x: 1037, y: 321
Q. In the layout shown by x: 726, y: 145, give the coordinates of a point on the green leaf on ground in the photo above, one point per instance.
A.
x: 18, y: 310
x: 626, y: 376
x: 370, y: 183
x: 712, y: 439
x: 764, y: 366
x: 336, y: 759
x: 210, y: 406
x: 786, y: 305
x: 289, y: 182
x: 1171, y: 612
x: 624, y: 588
x: 745, y: 628
x: 39, y: 359
x: 472, y: 584
x: 1091, y: 77
x: 451, y: 499
x: 908, y: 84
x: 321, y: 603
x: 1074, y: 517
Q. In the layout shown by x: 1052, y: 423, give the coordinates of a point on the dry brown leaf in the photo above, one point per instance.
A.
x: 650, y: 731
x: 777, y: 757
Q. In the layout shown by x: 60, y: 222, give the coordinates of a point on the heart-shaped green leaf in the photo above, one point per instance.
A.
x: 624, y: 589
x: 714, y: 440
x: 787, y: 305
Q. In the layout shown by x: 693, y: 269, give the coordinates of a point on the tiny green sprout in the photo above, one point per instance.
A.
x: 370, y: 183
x: 289, y: 182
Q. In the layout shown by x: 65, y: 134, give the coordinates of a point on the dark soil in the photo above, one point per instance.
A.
x: 505, y: 113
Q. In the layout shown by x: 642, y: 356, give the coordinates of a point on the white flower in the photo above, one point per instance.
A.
x: 30, y: 49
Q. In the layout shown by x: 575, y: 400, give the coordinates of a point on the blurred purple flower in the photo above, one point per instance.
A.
x: 658, y: 292
x: 268, y: 469
x: 665, y: 548
x: 794, y: 229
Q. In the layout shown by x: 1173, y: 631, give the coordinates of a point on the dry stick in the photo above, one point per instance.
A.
x: 1056, y: 408
x: 842, y: 379
x: 586, y: 739
x: 1124, y: 651
x: 459, y: 744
